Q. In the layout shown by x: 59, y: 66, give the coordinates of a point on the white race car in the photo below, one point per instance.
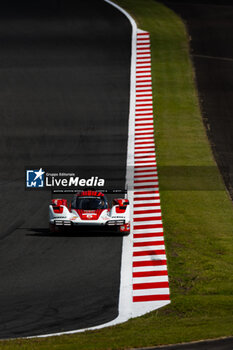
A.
x: 89, y: 209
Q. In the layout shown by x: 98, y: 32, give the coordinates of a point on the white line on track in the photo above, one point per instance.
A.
x: 146, y: 239
x: 146, y: 215
x: 145, y: 195
x: 144, y: 231
x: 151, y: 291
x: 148, y: 248
x: 148, y: 258
x: 150, y: 279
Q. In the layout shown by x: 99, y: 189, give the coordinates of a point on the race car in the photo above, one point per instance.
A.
x: 89, y: 209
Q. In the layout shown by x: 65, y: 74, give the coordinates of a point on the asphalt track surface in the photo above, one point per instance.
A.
x: 219, y: 344
x: 210, y: 26
x: 64, y: 100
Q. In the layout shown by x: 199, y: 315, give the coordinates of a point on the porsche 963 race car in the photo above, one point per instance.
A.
x: 89, y: 209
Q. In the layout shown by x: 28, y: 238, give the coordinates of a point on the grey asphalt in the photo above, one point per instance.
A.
x: 64, y: 100
x: 219, y: 344
x: 210, y: 26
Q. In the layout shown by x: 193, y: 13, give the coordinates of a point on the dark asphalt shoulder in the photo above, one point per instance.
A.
x: 210, y: 26
x: 215, y: 344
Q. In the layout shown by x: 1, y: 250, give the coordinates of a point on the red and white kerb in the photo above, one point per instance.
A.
x: 150, y: 277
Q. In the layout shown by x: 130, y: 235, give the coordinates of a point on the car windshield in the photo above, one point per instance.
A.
x: 89, y: 203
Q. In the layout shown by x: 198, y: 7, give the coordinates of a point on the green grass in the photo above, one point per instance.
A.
x: 198, y: 223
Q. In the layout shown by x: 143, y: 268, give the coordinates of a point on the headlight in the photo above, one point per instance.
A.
x: 115, y: 222
x: 120, y: 222
x: 62, y: 223
x: 66, y: 223
x: 111, y: 223
x: 58, y: 222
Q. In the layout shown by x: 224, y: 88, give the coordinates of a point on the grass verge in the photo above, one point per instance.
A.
x: 197, y: 211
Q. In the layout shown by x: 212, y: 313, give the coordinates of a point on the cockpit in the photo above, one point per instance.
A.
x: 89, y: 203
